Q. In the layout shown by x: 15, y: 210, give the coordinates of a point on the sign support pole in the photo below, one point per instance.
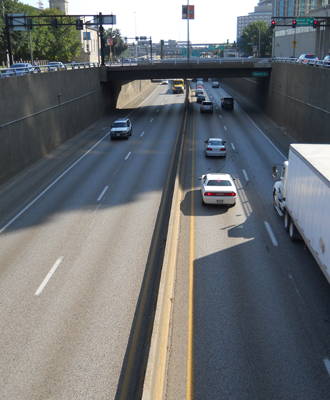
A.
x: 188, y: 50
x: 9, y: 51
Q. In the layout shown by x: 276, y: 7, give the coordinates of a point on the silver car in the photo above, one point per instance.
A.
x: 121, y: 128
x: 215, y: 147
x: 206, y: 107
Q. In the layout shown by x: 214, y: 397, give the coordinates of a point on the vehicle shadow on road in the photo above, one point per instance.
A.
x: 193, y: 200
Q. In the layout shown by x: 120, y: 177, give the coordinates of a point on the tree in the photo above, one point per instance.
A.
x: 20, y: 40
x: 118, y: 45
x: 46, y: 43
x: 58, y: 44
x: 255, y: 33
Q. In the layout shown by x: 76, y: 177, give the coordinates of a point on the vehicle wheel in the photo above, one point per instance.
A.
x: 293, y: 233
x: 286, y: 220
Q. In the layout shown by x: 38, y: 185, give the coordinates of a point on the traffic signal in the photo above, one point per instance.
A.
x: 79, y: 24
x: 54, y: 23
x: 316, y: 23
x: 294, y: 23
x: 273, y: 23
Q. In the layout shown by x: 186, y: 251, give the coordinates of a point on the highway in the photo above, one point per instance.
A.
x: 251, y: 310
x: 75, y: 236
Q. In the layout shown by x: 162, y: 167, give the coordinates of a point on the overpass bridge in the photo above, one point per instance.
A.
x: 181, y: 68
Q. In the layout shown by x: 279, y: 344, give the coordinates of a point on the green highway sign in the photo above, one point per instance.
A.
x: 304, y: 21
x: 260, y: 73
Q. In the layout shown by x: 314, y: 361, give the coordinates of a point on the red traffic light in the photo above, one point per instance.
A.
x: 273, y: 23
x: 294, y: 23
x: 316, y: 23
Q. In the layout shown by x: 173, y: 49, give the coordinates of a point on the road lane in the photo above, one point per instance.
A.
x: 84, y: 255
x: 261, y: 306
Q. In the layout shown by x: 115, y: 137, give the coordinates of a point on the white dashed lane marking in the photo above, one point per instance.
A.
x: 271, y: 234
x: 245, y: 175
x: 128, y: 155
x: 103, y: 193
x: 48, y: 276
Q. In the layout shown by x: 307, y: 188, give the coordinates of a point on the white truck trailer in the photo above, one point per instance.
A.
x: 302, y: 196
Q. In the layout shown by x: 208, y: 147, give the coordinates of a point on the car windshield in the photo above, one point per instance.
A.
x: 309, y: 56
x: 54, y: 63
x: 19, y: 65
x: 218, y: 183
x: 207, y: 103
x: 215, y: 143
x: 119, y: 124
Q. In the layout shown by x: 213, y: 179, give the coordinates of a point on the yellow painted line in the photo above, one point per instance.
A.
x: 190, y: 347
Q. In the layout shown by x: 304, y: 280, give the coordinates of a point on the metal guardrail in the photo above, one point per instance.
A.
x: 35, y: 69
x: 293, y: 60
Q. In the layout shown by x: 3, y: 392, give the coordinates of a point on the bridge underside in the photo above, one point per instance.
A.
x: 186, y: 71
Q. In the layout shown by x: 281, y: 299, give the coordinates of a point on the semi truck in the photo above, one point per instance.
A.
x: 301, y: 195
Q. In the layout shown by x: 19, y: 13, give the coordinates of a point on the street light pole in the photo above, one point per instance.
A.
x: 188, y: 52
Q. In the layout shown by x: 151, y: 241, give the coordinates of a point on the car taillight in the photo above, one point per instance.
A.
x: 230, y: 194
x: 209, y: 149
x: 222, y: 148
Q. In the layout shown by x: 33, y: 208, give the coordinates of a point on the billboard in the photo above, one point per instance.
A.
x: 188, y: 12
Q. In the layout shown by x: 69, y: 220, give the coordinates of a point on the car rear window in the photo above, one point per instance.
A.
x: 215, y: 143
x: 309, y: 56
x: 207, y: 103
x: 218, y: 183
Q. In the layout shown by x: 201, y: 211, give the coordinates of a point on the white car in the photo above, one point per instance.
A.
x: 215, y: 84
x: 218, y: 189
x: 308, y: 58
x: 121, y: 128
x: 215, y: 147
x: 206, y: 107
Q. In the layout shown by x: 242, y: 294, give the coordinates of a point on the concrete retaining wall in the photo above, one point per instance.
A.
x: 296, y: 97
x: 38, y: 112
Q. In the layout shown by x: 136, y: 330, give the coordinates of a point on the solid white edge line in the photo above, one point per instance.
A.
x: 103, y: 193
x: 48, y: 276
x: 266, y: 137
x: 142, y: 133
x: 127, y: 155
x: 233, y: 146
x: 327, y: 365
x: 3, y: 228
x: 271, y: 234
x: 245, y: 175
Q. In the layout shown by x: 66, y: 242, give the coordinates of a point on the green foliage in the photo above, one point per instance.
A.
x: 118, y: 44
x: 56, y: 44
x: 250, y: 38
x: 46, y: 42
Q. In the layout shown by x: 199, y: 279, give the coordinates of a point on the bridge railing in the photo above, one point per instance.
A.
x: 34, y: 69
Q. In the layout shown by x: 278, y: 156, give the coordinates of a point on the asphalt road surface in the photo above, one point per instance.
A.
x: 75, y: 237
x: 251, y: 316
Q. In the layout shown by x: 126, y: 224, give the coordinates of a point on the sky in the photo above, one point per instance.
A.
x: 215, y: 20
